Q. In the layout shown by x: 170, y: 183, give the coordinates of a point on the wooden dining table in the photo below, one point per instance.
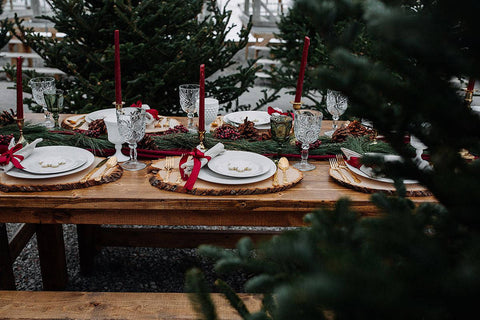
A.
x: 132, y: 200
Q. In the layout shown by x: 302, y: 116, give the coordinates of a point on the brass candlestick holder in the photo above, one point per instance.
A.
x: 118, y: 106
x: 468, y: 97
x: 296, y: 105
x: 20, y: 124
x: 201, y: 137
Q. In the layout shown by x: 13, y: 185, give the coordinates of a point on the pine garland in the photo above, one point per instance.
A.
x: 188, y: 141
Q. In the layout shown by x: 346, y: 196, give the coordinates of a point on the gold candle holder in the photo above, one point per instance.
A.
x: 20, y: 124
x: 118, y: 106
x: 468, y: 98
x: 201, y: 137
x: 296, y: 105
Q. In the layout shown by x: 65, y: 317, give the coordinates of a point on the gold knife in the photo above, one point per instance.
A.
x: 88, y: 175
x: 112, y: 162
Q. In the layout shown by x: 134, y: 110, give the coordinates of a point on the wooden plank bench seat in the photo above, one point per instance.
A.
x: 110, y: 305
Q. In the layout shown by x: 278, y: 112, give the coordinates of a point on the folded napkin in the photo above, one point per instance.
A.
x: 189, y: 168
x: 16, y: 153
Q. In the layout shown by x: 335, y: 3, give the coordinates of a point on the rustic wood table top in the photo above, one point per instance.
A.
x: 132, y: 200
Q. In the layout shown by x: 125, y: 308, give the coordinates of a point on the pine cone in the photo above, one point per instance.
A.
x: 247, y: 130
x: 98, y: 125
x: 147, y: 143
x: 7, y: 117
x: 355, y: 129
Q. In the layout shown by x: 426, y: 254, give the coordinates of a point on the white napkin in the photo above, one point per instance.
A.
x: 219, y: 148
x: 25, y: 152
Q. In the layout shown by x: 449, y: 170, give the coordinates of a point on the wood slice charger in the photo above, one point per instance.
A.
x: 67, y: 182
x: 169, y: 180
x: 372, y: 186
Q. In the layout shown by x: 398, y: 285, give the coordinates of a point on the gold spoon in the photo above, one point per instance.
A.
x: 112, y: 162
x: 284, y: 165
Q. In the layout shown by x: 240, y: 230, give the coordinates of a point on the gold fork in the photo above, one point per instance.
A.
x: 179, y: 177
x: 342, y: 165
x: 168, y: 167
x: 334, y: 166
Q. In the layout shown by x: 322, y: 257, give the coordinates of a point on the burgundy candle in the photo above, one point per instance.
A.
x: 298, y: 94
x: 201, y: 109
x: 471, y: 84
x: 118, y: 78
x: 19, y: 89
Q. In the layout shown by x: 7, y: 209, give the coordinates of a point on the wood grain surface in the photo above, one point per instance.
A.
x: 111, y: 305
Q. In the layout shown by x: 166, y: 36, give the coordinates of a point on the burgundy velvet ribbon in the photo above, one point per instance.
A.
x: 8, y: 156
x: 197, y: 165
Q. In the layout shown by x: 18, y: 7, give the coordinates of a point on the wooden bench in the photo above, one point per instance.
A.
x: 111, y: 305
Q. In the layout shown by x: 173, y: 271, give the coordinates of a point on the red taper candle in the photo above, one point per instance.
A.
x: 201, y: 97
x: 19, y: 89
x: 471, y: 84
x: 118, y: 77
x: 303, y: 64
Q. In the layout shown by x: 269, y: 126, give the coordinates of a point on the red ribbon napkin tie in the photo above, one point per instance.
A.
x: 10, y: 156
x: 354, y: 162
x: 153, y: 112
x: 197, y: 165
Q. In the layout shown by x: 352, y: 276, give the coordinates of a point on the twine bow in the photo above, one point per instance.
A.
x: 197, y: 165
x: 10, y: 156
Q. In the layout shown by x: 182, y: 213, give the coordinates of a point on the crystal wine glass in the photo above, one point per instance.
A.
x: 307, y: 126
x: 336, y: 106
x: 39, y: 85
x: 54, y: 103
x: 131, y: 125
x: 189, y: 102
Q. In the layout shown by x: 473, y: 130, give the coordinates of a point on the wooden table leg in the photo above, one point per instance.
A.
x: 51, y: 249
x: 7, y: 280
x: 87, y: 250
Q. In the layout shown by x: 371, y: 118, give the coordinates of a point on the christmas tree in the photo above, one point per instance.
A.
x: 415, y: 261
x: 162, y: 44
x: 4, y: 28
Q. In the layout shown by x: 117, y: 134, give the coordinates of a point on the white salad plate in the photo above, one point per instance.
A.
x: 259, y: 118
x: 56, y: 152
x: 208, y: 175
x: 364, y: 172
x: 44, y: 160
x: 240, y: 164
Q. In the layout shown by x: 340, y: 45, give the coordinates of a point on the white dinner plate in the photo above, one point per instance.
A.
x: 61, y: 151
x: 208, y: 175
x: 361, y: 172
x: 259, y: 127
x: 240, y: 164
x: 43, y: 161
x: 257, y: 117
x: 101, y: 114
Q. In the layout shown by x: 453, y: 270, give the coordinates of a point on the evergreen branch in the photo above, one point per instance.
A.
x: 233, y: 298
x: 196, y: 285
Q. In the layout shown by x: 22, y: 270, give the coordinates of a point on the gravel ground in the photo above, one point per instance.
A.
x: 119, y: 269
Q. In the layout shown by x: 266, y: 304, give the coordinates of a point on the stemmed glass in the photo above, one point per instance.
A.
x: 54, y: 103
x: 307, y: 126
x: 115, y: 138
x: 189, y: 102
x: 280, y: 127
x: 39, y: 85
x: 131, y: 125
x: 336, y: 106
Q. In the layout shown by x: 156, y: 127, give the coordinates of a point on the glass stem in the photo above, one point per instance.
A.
x: 335, y: 119
x: 55, y: 121
x: 304, y: 153
x: 190, y: 121
x: 133, y: 151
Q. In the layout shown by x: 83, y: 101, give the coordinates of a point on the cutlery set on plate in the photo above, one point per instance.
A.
x: 338, y: 164
x: 170, y: 165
